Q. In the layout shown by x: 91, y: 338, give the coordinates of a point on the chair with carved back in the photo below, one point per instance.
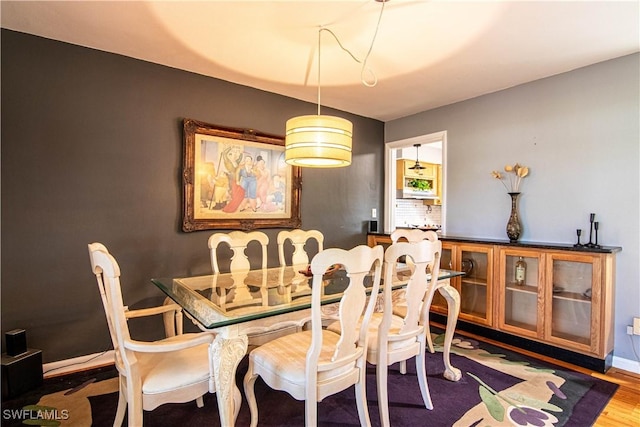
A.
x: 239, y: 267
x: 172, y: 314
x: 298, y: 239
x: 176, y: 369
x: 238, y: 241
x: 313, y: 364
x: 397, y: 337
x: 399, y: 306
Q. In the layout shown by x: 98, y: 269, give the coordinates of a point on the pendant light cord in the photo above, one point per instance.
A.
x: 363, y: 62
x: 320, y: 56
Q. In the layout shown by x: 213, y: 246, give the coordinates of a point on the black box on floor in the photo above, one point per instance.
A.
x: 16, y: 342
x: 21, y: 373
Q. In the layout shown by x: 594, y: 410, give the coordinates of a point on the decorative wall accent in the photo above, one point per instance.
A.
x: 237, y: 179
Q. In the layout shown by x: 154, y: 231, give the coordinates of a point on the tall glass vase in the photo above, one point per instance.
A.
x: 513, y: 226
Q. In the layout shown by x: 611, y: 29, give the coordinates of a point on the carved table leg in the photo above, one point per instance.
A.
x: 226, y: 355
x: 453, y: 304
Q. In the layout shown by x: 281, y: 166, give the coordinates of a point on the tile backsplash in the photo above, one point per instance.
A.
x: 414, y: 212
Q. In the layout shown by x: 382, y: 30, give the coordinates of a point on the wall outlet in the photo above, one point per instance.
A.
x: 629, y: 330
x: 636, y: 326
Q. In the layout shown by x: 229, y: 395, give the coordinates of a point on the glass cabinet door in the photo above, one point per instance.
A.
x: 522, y: 287
x: 573, y: 284
x: 475, y: 295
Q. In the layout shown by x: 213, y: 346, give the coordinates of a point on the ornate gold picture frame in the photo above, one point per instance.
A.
x: 237, y: 179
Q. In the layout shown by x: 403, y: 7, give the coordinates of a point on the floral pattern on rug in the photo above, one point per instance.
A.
x: 536, y: 401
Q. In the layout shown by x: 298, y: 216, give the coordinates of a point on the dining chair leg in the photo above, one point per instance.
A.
x: 383, y: 397
x: 249, y: 382
x: 134, y: 399
x: 421, y: 371
x: 363, y: 411
x: 122, y: 403
x: 311, y: 411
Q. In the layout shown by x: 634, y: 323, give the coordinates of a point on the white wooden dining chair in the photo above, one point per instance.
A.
x: 177, y: 369
x: 238, y: 241
x: 172, y: 314
x: 298, y: 239
x: 413, y: 235
x: 399, y: 306
x: 239, y: 266
x: 316, y: 363
x: 397, y: 338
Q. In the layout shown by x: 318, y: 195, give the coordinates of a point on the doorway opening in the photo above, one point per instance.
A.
x: 395, y: 150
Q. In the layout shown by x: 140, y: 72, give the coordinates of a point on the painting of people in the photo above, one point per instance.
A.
x: 240, y: 179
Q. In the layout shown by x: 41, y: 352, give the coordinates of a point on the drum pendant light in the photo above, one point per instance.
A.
x: 318, y: 141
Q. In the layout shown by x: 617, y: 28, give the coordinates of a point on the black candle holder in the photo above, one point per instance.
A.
x: 592, y: 218
x: 595, y: 226
x: 593, y: 232
x: 579, y: 233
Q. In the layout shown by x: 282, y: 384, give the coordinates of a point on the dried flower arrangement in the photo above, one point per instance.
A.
x: 514, y: 175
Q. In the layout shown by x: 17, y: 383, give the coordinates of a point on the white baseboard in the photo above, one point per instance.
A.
x: 81, y: 363
x: 626, y: 364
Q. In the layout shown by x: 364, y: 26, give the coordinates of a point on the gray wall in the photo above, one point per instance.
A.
x: 92, y: 151
x: 579, y: 134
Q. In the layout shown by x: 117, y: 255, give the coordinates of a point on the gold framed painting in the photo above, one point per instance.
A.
x: 237, y: 179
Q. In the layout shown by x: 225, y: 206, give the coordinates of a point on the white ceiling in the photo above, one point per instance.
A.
x: 426, y: 54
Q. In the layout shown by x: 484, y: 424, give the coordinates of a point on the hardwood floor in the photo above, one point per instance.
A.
x: 624, y: 407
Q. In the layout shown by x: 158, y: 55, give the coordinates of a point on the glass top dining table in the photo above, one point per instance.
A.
x: 224, y: 299
x: 259, y: 302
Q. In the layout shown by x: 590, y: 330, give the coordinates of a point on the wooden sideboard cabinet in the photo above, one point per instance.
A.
x: 476, y: 292
x: 563, y: 305
x: 566, y: 300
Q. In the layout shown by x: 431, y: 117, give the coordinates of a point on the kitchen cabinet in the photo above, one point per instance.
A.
x: 405, y: 174
x: 430, y: 170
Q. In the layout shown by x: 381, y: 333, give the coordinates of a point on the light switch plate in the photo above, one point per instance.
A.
x: 636, y: 326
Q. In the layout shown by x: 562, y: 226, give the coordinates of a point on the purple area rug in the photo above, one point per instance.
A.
x: 498, y: 388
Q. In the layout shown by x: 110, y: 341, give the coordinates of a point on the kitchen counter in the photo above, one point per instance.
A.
x: 423, y: 228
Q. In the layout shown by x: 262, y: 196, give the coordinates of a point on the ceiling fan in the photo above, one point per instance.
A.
x: 417, y: 166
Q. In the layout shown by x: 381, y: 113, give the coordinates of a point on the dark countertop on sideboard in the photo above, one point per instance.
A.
x: 523, y: 244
